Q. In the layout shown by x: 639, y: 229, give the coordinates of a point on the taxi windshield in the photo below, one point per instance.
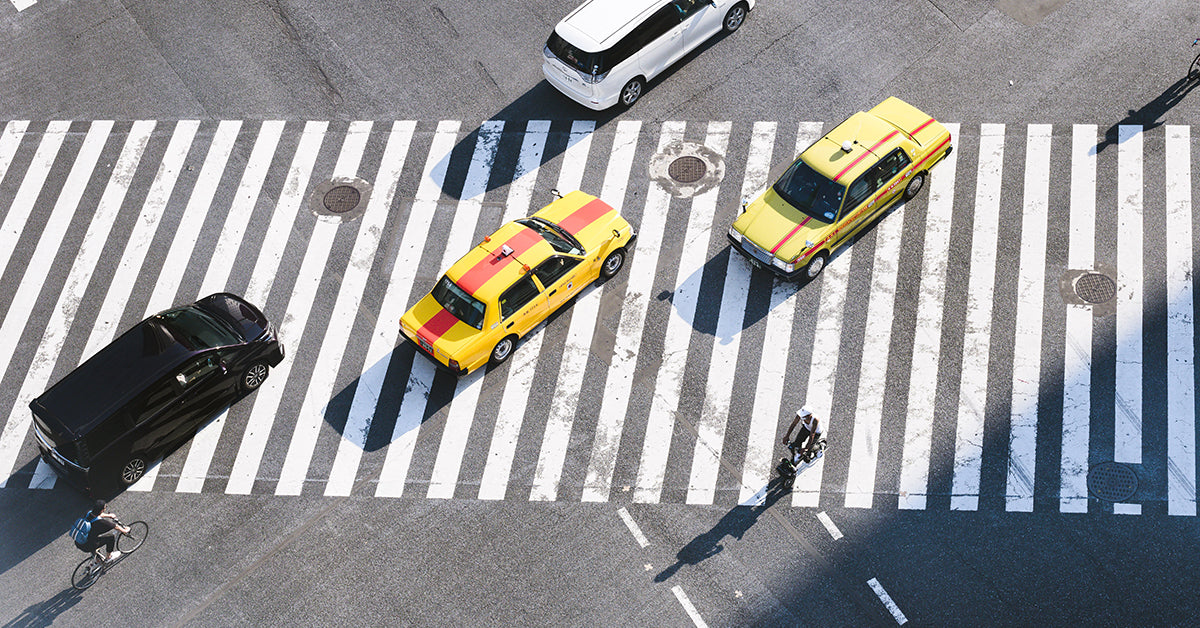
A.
x: 558, y: 238
x: 455, y: 300
x: 810, y: 192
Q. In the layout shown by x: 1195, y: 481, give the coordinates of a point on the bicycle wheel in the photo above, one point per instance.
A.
x: 1194, y: 71
x: 127, y: 543
x: 85, y: 574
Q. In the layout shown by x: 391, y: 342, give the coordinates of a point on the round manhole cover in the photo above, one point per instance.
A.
x: 687, y: 169
x: 341, y: 199
x: 1112, y: 481
x: 1095, y: 288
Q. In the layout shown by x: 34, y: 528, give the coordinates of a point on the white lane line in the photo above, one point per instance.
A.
x: 633, y: 527
x: 829, y: 526
x: 768, y: 394
x: 258, y: 428
x: 927, y: 337
x: 1027, y: 350
x: 619, y: 382
x: 714, y: 411
x: 454, y: 437
x: 972, y: 400
x: 1128, y: 431
x: 1077, y: 357
x: 35, y: 270
x: 887, y: 601
x: 23, y: 4
x: 203, y: 445
x: 661, y: 423
x: 688, y: 607
x: 868, y: 416
x: 1181, y: 359
x: 10, y: 140
x: 523, y: 364
x: 408, y: 258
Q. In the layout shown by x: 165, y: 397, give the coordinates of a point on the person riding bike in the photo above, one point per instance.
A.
x: 103, y: 524
x: 810, y: 429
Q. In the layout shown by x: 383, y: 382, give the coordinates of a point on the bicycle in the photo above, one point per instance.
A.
x: 94, y: 566
x: 1194, y: 69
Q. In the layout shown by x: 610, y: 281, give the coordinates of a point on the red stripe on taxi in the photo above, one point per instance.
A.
x: 918, y: 129
x: 791, y: 233
x: 931, y: 153
x: 436, y: 326
x: 489, y: 266
x: 869, y: 151
x: 585, y: 216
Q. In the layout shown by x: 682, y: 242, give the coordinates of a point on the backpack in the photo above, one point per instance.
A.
x: 81, y: 530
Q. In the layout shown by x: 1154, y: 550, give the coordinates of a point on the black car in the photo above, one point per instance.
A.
x: 148, y: 391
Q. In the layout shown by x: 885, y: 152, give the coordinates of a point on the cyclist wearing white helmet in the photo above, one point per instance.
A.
x: 810, y: 428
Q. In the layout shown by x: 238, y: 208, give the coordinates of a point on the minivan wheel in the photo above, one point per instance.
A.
x: 253, y: 376
x: 503, y: 349
x: 632, y: 91
x: 734, y: 18
x: 133, y: 470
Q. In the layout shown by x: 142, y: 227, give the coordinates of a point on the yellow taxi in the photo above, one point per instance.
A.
x: 514, y: 279
x: 839, y: 185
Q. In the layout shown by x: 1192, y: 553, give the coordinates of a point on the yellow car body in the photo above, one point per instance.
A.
x: 514, y: 279
x: 838, y: 186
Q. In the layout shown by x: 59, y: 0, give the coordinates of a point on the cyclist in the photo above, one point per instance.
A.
x: 103, y: 524
x: 810, y: 428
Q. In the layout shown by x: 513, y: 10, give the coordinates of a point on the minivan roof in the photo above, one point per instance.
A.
x: 598, y: 24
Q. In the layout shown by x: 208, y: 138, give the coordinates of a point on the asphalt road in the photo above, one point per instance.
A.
x: 216, y: 559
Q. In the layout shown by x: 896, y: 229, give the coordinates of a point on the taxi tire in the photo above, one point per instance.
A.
x: 632, y: 91
x: 613, y: 264
x: 815, y: 266
x: 734, y: 18
x: 914, y: 186
x: 508, y: 343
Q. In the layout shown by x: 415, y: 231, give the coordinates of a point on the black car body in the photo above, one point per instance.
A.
x: 151, y: 389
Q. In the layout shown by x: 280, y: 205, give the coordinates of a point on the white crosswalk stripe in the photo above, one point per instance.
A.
x: 947, y: 440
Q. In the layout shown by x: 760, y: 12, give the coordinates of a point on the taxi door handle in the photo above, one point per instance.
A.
x: 509, y: 326
x: 551, y: 293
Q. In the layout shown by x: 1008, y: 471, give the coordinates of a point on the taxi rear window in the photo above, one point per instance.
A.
x: 455, y: 300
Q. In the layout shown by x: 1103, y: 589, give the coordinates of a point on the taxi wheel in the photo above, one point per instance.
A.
x: 914, y: 186
x: 815, y: 266
x: 632, y: 91
x: 734, y: 18
x: 503, y: 349
x: 613, y: 264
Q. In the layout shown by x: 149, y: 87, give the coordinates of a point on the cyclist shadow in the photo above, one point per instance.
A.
x: 735, y: 523
x: 44, y: 613
x: 1148, y: 116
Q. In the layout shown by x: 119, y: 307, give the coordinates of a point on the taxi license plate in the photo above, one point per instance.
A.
x: 425, y: 345
x: 755, y: 263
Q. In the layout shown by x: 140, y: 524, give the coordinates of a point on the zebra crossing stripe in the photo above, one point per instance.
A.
x: 1128, y: 435
x: 412, y: 406
x: 1027, y: 349
x: 619, y: 382
x: 258, y: 428
x: 10, y: 139
x: 1181, y: 359
x: 972, y: 400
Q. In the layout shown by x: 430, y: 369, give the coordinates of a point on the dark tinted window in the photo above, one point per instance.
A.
x: 196, y: 371
x: 687, y: 8
x: 455, y: 300
x: 810, y: 192
x: 196, y: 329
x: 155, y: 398
x: 553, y: 269
x: 108, y: 431
x: 657, y: 25
x: 862, y: 187
x: 516, y: 297
x: 586, y: 62
x: 891, y: 165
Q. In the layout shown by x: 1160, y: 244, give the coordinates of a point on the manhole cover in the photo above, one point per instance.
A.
x: 1112, y: 481
x: 341, y: 199
x: 1095, y: 288
x: 687, y: 169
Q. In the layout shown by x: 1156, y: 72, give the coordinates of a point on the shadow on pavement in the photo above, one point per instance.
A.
x: 1149, y: 115
x: 44, y: 613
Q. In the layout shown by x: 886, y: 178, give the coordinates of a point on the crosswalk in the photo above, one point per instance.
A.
x: 953, y: 367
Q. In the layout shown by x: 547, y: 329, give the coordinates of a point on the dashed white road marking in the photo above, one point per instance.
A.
x: 887, y: 601
x: 687, y: 606
x: 828, y: 523
x: 633, y: 527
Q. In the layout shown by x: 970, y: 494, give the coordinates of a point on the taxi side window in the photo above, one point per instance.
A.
x: 891, y: 165
x: 516, y: 297
x: 553, y: 269
x: 194, y: 371
x: 859, y: 191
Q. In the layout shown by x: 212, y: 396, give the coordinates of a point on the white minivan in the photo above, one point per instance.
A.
x: 605, y: 51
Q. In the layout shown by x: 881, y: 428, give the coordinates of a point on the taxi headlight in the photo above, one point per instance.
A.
x: 735, y: 234
x: 786, y: 267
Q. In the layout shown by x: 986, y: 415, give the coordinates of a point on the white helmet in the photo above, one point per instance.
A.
x: 804, y: 413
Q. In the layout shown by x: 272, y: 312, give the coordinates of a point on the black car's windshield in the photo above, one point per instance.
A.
x: 810, y: 192
x: 455, y: 300
x: 196, y: 329
x: 562, y: 241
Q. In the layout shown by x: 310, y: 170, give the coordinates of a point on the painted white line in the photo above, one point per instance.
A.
x: 454, y: 437
x: 1128, y: 430
x: 1127, y: 509
x: 688, y: 607
x: 1077, y: 357
x: 829, y: 526
x: 619, y: 382
x: 10, y: 139
x: 258, y: 428
x: 927, y: 337
x: 661, y: 423
x: 23, y: 4
x: 887, y: 601
x: 968, y: 445
x: 1181, y: 359
x: 1027, y: 350
x: 633, y: 527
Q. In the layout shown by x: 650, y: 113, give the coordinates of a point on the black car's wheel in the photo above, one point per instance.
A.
x: 503, y: 349
x: 914, y: 186
x: 612, y: 264
x: 632, y: 91
x: 253, y: 376
x: 134, y: 469
x: 734, y: 18
x: 815, y: 265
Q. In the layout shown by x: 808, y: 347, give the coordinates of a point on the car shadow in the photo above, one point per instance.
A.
x: 1149, y: 115
x: 53, y: 511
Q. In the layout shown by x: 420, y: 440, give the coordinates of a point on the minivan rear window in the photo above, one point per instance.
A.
x: 586, y: 62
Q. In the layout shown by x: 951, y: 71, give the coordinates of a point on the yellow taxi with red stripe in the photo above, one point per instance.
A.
x: 514, y: 279
x: 839, y: 185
